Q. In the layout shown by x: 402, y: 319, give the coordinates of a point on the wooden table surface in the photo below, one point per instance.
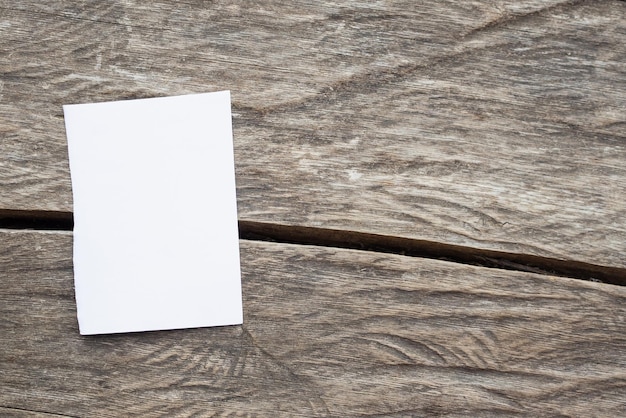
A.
x: 431, y: 195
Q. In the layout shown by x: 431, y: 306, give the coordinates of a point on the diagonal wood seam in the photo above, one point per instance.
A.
x: 32, y: 411
x: 335, y: 92
x: 355, y: 240
x: 506, y: 20
x: 463, y: 49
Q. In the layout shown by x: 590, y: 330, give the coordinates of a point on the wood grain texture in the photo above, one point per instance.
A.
x: 496, y: 125
x: 326, y: 332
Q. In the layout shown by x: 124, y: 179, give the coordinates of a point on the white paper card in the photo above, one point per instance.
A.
x: 155, y: 214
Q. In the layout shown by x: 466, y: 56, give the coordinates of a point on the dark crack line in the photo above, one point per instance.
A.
x: 36, y: 220
x: 355, y: 240
x: 335, y: 238
x: 34, y: 411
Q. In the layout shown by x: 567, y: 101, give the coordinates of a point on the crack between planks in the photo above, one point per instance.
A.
x: 41, y: 220
x: 325, y: 237
x: 35, y: 412
x: 355, y: 240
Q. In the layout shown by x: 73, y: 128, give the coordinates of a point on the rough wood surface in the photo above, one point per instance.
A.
x: 326, y: 332
x: 496, y: 125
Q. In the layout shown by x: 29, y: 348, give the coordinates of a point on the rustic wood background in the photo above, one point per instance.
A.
x: 466, y: 131
x: 326, y: 332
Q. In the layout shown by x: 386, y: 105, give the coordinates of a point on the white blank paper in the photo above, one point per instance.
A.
x: 155, y: 217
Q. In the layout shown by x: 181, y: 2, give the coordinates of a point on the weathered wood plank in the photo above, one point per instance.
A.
x: 496, y: 125
x: 326, y: 332
x: 61, y: 52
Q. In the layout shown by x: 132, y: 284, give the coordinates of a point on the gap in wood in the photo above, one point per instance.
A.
x: 36, y: 220
x: 324, y: 237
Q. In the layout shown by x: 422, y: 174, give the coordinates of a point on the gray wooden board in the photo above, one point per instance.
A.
x: 326, y: 332
x: 495, y: 125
